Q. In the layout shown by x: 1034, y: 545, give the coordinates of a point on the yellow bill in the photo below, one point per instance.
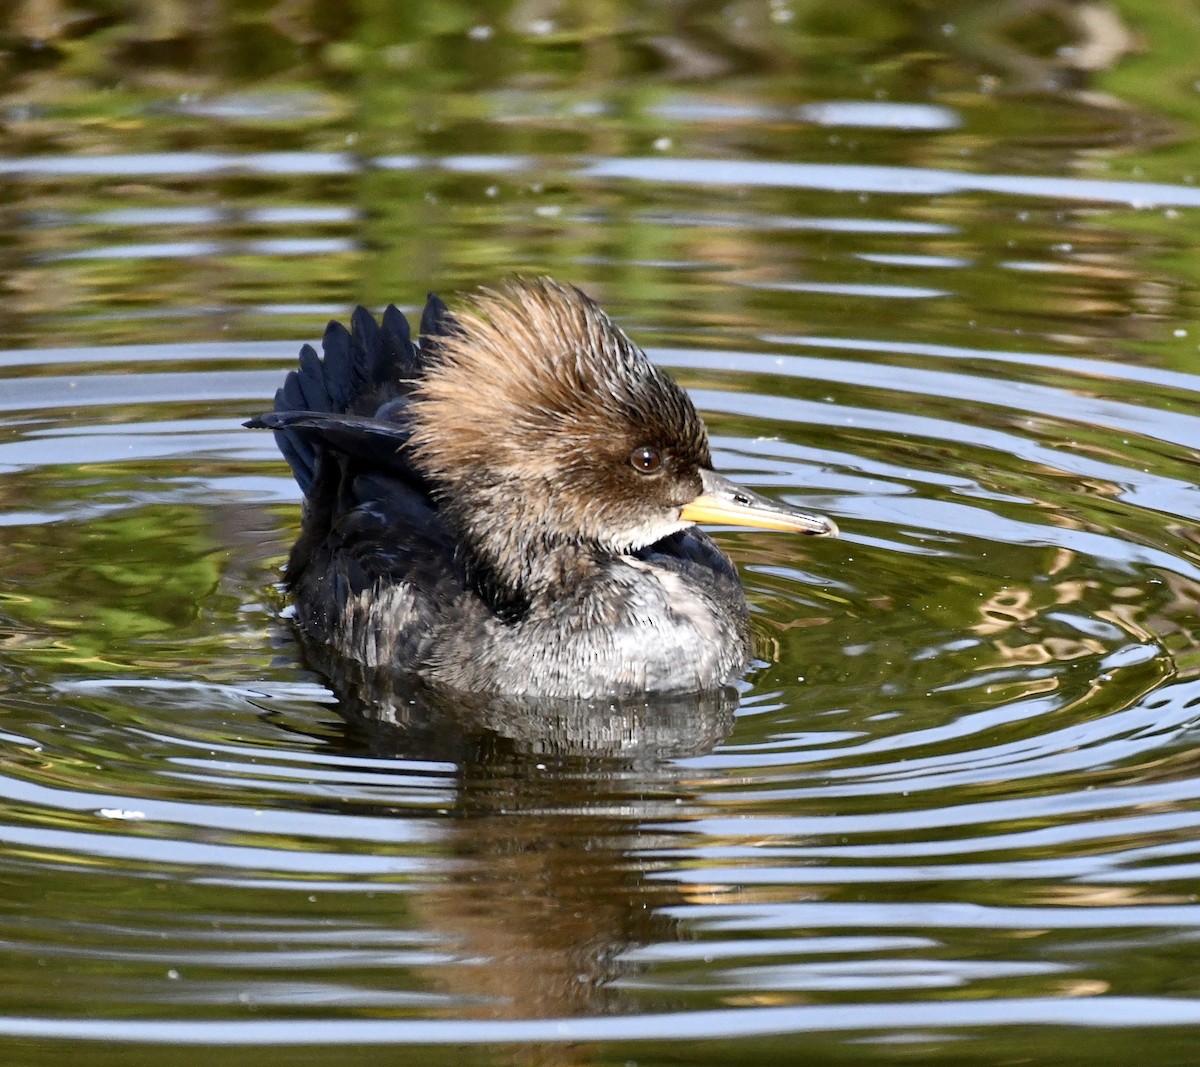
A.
x: 725, y: 503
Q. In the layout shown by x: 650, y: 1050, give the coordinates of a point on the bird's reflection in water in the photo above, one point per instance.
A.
x: 548, y: 886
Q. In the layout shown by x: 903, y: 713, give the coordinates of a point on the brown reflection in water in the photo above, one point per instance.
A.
x: 551, y: 887
x: 1091, y: 37
x: 1105, y: 896
x: 1173, y: 618
x: 1009, y: 616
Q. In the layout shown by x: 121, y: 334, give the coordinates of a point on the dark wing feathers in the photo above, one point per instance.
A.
x: 420, y: 557
x: 404, y: 355
x: 341, y: 421
x: 367, y: 354
x: 301, y: 454
x: 377, y: 443
x: 437, y: 321
x: 309, y: 381
x: 338, y: 366
x: 353, y: 398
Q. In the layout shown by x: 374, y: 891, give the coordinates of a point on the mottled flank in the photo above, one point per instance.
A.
x: 475, y: 513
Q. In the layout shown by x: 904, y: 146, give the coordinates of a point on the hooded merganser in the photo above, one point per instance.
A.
x: 509, y: 507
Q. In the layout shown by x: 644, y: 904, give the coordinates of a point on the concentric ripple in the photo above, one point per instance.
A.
x: 963, y: 765
x: 922, y: 275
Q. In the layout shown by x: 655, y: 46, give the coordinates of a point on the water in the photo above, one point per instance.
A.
x: 931, y: 272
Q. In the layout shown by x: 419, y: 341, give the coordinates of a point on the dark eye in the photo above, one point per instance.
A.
x: 645, y: 460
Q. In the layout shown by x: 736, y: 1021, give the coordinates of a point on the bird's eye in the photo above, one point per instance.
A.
x: 645, y: 460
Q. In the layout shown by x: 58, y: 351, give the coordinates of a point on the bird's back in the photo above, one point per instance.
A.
x: 372, y: 543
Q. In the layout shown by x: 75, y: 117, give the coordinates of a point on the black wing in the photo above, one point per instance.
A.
x: 341, y: 421
x: 366, y: 370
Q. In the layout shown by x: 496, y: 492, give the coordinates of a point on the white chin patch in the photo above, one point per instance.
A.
x: 651, y: 532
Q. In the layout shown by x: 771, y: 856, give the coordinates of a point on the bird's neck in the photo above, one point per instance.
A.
x: 530, y: 573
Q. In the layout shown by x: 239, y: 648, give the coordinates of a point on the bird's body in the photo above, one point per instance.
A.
x: 509, y: 507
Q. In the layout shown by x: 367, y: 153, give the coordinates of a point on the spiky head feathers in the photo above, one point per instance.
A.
x: 538, y: 419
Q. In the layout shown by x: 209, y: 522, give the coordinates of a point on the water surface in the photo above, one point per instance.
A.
x: 930, y: 271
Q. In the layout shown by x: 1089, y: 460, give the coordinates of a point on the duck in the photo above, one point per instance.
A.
x: 511, y: 504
